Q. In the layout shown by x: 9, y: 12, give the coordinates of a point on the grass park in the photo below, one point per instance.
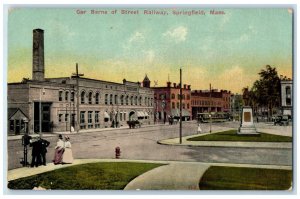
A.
x: 231, y: 135
x: 241, y: 178
x: 92, y: 176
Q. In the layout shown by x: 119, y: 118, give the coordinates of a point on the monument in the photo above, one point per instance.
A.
x: 247, y: 125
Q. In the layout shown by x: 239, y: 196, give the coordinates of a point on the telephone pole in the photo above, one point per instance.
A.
x: 180, y: 114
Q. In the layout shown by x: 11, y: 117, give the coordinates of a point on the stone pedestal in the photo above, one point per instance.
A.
x: 247, y: 125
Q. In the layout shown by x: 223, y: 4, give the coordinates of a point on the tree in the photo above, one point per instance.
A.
x: 266, y: 90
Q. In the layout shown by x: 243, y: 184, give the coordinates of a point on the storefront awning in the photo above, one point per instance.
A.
x: 106, y: 115
x: 176, y: 113
x: 140, y: 114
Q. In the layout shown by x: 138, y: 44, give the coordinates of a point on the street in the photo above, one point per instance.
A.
x: 141, y: 144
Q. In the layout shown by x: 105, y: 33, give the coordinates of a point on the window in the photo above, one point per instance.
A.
x: 188, y: 97
x: 72, y: 96
x: 60, y: 117
x: 127, y: 99
x: 60, y: 96
x: 173, y: 96
x: 151, y: 101
x: 131, y: 100
x: 67, y: 96
x: 116, y: 99
x: 106, y: 98
x: 11, y: 125
x: 111, y: 99
x: 97, y: 98
x: 183, y: 105
x: 178, y: 96
x: 90, y: 120
x: 66, y: 117
x: 173, y: 104
x: 136, y: 100
x: 178, y: 105
x: 122, y: 99
x: 121, y: 116
x: 82, y: 119
x: 82, y: 97
x: 288, y: 96
x: 140, y: 100
x: 90, y: 97
x: 97, y: 125
x: 183, y: 96
x: 188, y: 106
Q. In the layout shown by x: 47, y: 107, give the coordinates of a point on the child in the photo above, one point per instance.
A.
x: 199, y: 130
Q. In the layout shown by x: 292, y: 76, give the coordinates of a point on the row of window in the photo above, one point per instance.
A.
x: 165, y: 96
x: 205, y: 103
x: 67, y: 96
x: 178, y: 105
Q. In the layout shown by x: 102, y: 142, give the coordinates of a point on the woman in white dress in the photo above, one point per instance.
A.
x: 59, y: 151
x: 67, y: 156
x: 199, y: 130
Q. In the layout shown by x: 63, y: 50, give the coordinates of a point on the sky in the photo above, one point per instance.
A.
x: 227, y: 50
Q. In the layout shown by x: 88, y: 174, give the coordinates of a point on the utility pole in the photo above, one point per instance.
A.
x: 180, y: 114
x: 210, y: 116
x: 77, y: 75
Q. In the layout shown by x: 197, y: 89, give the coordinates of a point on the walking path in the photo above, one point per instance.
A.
x: 174, y: 175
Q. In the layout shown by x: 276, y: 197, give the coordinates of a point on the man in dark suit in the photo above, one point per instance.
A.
x: 43, y: 150
x: 35, y: 152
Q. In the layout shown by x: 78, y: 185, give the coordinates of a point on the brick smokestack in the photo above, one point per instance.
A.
x: 38, y: 68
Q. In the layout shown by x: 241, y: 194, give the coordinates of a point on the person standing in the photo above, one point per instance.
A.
x: 68, y: 155
x: 59, y: 150
x: 199, y: 130
x: 43, y: 147
x: 35, y: 153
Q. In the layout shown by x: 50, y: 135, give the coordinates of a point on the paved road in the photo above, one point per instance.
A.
x: 141, y: 144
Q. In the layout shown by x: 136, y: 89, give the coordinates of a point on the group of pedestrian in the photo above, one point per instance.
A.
x: 39, y: 150
x: 63, y: 152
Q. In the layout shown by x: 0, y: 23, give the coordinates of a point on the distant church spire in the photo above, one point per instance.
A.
x: 146, y: 82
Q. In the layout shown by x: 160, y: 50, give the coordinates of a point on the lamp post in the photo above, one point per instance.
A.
x: 210, y: 116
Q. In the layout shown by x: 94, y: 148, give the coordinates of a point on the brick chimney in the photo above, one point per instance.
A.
x: 38, y: 67
x: 168, y: 84
x: 184, y: 86
x: 174, y: 84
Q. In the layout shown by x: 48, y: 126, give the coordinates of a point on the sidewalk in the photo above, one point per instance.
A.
x: 175, y: 175
x: 49, y: 134
x: 185, y: 142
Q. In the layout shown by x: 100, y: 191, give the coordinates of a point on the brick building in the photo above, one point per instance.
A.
x: 167, y: 102
x: 286, y: 96
x: 203, y: 101
x: 58, y: 104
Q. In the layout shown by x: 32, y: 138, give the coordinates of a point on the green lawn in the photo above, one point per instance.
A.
x: 92, y: 176
x: 235, y: 178
x: 231, y: 135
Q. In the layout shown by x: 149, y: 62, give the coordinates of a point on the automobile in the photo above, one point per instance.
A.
x: 281, y: 120
x: 134, y: 123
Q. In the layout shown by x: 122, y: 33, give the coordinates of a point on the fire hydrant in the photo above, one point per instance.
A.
x: 118, y: 152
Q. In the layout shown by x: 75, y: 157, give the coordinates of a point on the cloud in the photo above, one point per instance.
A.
x: 177, y: 34
x: 137, y: 37
x: 149, y: 56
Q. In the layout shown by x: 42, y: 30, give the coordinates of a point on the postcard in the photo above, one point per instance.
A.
x: 148, y: 98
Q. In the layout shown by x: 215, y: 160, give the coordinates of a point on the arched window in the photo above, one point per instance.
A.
x: 67, y: 96
x: 116, y: 99
x: 127, y: 99
x: 140, y: 100
x: 173, y: 96
x: 135, y: 100
x: 72, y: 96
x: 131, y: 100
x: 82, y: 97
x: 90, y: 97
x: 146, y: 100
x: 106, y: 98
x: 122, y: 99
x: 97, y: 98
x: 111, y: 99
